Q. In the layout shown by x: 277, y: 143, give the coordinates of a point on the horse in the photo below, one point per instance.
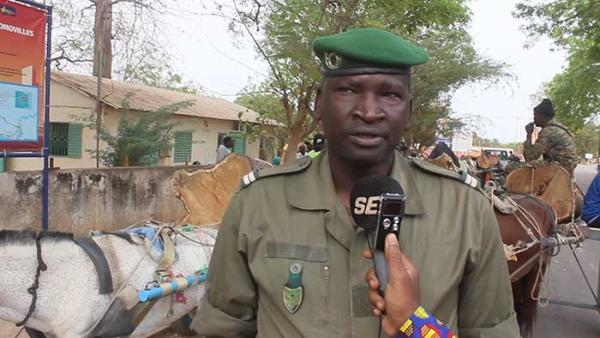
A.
x: 523, y: 224
x: 65, y: 299
x: 522, y: 232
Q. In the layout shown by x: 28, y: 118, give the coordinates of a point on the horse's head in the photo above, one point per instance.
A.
x: 444, y: 161
x: 487, y: 161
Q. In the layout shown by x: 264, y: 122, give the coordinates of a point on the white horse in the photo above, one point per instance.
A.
x: 68, y: 301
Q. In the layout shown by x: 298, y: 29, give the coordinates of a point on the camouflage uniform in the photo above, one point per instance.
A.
x: 555, y: 143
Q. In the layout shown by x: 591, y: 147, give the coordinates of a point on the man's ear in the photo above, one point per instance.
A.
x: 318, y: 105
x: 410, y: 108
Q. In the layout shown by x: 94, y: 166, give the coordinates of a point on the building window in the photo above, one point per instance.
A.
x: 65, y: 139
x: 182, y: 150
x: 239, y: 142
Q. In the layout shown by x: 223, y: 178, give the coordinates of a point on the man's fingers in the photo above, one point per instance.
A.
x: 411, y: 269
x: 367, y: 254
x: 376, y: 300
x: 371, y: 279
x: 401, y: 269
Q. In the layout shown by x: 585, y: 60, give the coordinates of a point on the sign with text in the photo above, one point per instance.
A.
x: 22, y: 75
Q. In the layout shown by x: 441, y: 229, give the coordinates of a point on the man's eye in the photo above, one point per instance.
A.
x: 392, y: 95
x: 346, y: 90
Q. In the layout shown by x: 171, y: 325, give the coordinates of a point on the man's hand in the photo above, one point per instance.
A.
x: 529, y: 128
x: 402, y: 292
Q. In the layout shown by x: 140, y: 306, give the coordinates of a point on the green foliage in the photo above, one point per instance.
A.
x: 139, y: 137
x: 140, y: 50
x: 575, y: 26
x: 287, y: 29
x: 588, y: 140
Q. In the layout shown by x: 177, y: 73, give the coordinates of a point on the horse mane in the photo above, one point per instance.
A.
x: 28, y: 236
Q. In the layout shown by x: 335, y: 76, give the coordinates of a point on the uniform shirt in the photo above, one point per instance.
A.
x: 555, y: 143
x: 449, y: 232
x: 222, y: 152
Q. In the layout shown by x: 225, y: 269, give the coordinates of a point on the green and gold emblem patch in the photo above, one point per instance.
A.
x: 292, y: 298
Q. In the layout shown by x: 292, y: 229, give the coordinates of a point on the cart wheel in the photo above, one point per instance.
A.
x: 182, y: 326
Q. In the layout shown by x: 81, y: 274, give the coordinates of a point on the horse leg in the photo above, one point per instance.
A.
x: 531, y: 293
x: 519, y: 294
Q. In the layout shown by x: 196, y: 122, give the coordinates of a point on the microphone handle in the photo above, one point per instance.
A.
x: 381, y: 270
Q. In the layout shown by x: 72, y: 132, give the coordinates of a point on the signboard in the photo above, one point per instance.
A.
x: 589, y: 156
x: 22, y: 61
x: 462, y: 143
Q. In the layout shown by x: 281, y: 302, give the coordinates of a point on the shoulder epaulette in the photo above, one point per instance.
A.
x: 461, y: 176
x: 257, y: 174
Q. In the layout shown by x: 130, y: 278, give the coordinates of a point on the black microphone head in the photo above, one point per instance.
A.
x: 365, y: 199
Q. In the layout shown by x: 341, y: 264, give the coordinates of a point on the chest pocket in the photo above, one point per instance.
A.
x: 315, y: 275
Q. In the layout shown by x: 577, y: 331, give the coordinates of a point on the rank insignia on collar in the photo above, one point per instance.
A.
x: 293, y: 291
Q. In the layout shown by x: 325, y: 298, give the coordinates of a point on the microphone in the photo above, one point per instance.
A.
x: 377, y: 205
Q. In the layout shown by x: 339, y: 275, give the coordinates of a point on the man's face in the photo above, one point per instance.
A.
x: 538, y: 119
x: 364, y: 116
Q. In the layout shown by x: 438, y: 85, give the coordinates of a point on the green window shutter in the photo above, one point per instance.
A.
x: 2, y: 164
x: 74, y: 140
x: 183, y: 147
x: 239, y: 142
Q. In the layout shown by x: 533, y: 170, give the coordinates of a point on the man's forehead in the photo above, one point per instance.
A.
x: 378, y: 79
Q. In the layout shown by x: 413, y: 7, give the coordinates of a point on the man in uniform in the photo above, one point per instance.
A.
x: 318, y: 145
x: 555, y: 143
x: 288, y: 259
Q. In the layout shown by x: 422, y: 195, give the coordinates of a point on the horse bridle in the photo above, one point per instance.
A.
x: 41, y: 266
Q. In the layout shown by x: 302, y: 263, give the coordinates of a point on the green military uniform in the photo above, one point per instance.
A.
x: 291, y: 215
x: 556, y: 144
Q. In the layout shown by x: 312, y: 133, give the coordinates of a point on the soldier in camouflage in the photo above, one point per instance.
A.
x: 555, y: 143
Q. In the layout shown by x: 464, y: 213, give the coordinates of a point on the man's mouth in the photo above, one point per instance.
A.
x: 366, y: 139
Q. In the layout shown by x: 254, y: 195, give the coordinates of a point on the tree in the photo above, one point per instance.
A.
x: 139, y: 138
x: 283, y: 31
x: 573, y: 25
x: 139, y: 50
x: 587, y: 139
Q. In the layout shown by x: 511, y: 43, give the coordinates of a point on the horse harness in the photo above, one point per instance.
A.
x: 105, y: 326
x: 41, y: 266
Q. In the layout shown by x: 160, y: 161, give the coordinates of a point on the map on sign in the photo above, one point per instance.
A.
x: 19, y: 109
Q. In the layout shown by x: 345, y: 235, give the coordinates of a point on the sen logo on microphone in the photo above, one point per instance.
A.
x: 367, y: 205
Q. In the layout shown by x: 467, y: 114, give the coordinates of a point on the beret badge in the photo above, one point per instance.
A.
x: 332, y: 60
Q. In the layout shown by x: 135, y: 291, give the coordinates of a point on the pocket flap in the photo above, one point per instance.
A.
x: 296, y: 251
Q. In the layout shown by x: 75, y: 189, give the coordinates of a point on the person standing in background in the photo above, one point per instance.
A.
x: 225, y: 148
x: 318, y: 145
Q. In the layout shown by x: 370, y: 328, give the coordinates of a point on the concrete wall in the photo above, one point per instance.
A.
x: 84, y: 199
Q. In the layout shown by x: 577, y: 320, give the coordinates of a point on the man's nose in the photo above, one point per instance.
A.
x: 368, y: 109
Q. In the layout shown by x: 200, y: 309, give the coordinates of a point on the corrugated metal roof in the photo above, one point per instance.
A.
x: 146, y: 98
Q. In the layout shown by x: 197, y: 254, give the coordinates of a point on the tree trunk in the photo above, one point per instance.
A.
x: 294, y: 138
x: 103, y: 39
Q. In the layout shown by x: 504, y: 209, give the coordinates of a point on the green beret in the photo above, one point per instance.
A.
x: 367, y: 51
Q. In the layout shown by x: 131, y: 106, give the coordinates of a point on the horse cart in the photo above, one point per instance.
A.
x: 537, y: 210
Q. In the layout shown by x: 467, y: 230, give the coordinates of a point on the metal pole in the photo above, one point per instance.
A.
x: 100, y: 27
x: 46, y: 150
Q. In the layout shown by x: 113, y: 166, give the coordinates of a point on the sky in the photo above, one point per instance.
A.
x: 209, y: 55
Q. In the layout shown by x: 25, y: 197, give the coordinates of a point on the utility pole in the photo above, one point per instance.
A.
x: 102, y: 59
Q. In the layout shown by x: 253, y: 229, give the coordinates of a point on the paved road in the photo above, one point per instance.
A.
x: 567, y: 284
